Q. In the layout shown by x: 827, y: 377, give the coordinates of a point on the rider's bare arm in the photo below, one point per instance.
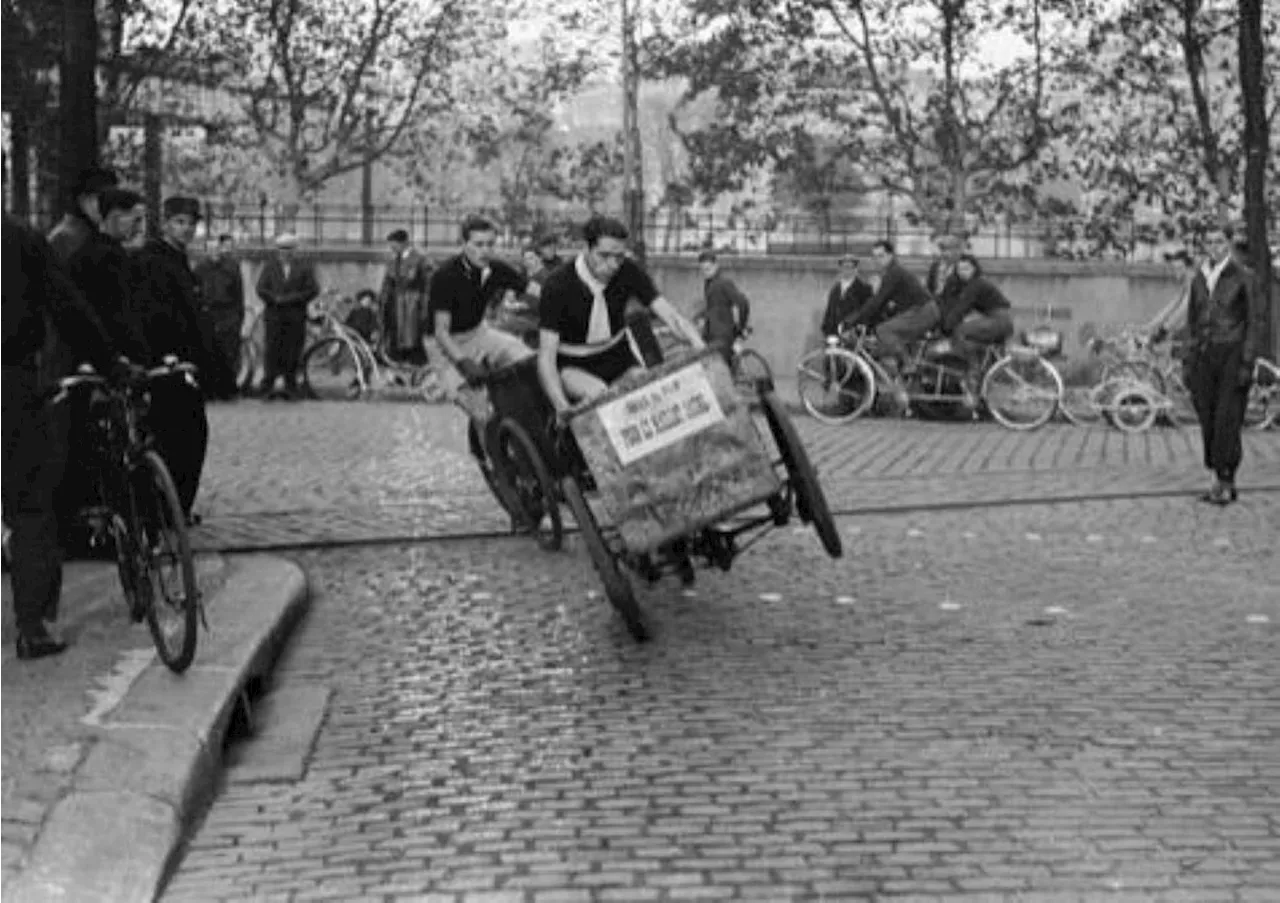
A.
x: 548, y: 372
x: 667, y: 313
x: 444, y: 319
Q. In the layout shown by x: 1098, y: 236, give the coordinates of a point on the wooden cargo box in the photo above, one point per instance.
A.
x: 674, y: 449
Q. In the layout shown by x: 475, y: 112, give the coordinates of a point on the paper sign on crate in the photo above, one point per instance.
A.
x: 660, y: 413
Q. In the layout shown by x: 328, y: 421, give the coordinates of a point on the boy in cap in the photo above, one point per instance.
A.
x: 727, y: 313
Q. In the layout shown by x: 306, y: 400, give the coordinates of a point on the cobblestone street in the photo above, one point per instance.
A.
x: 1070, y: 698
x: 1054, y: 701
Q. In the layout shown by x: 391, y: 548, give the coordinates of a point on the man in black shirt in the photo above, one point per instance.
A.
x: 901, y: 305
x: 35, y: 290
x: 582, y: 345
x: 462, y: 290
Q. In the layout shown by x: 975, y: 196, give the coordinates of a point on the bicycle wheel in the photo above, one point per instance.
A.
x: 751, y: 373
x: 1263, y: 407
x: 1022, y: 391
x: 835, y: 385
x: 530, y: 477
x: 811, y: 501
x: 167, y: 572
x: 331, y: 371
x: 616, y: 585
x: 1133, y: 408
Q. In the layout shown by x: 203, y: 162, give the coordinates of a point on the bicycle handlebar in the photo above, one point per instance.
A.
x: 90, y: 377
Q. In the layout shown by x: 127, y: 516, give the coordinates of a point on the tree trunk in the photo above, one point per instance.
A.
x: 633, y: 160
x: 1256, y: 141
x: 20, y: 157
x: 78, y: 100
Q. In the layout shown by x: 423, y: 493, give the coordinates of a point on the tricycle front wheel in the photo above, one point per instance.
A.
x: 616, y: 585
x: 811, y: 501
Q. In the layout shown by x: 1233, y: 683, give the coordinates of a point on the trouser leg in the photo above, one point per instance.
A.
x: 31, y: 470
x: 1228, y: 414
x: 909, y: 326
x: 1204, y: 392
x: 271, y: 341
x: 977, y: 330
x: 295, y: 335
x: 181, y: 429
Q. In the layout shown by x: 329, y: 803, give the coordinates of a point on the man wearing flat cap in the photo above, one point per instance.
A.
x: 286, y: 286
x: 404, y: 300
x: 168, y: 303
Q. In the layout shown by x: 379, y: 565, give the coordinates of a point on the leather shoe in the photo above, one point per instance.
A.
x: 38, y: 645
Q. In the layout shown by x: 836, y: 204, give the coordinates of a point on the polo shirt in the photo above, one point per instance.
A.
x: 566, y: 300
x: 456, y: 287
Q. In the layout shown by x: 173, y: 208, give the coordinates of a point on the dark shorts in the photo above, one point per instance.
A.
x: 607, y: 365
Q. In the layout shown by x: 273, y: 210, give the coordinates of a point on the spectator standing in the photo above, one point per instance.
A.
x: 37, y: 292
x: 549, y: 254
x: 943, y: 282
x: 1225, y: 319
x: 286, y: 286
x: 727, y: 311
x: 404, y: 300
x: 168, y: 305
x: 222, y: 306
x: 847, y: 296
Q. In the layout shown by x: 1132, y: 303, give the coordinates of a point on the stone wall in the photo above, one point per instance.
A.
x: 788, y: 293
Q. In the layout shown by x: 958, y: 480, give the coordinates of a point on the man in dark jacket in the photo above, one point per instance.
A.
x: 222, y: 307
x: 168, y: 310
x: 727, y: 311
x: 901, y: 303
x: 102, y: 272
x: 36, y: 292
x: 1225, y: 319
x: 286, y: 286
x: 847, y: 296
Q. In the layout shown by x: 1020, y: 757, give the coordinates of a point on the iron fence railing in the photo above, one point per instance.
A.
x: 682, y: 231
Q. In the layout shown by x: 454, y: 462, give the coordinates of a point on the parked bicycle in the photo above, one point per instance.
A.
x: 1146, y: 384
x: 136, y: 507
x: 340, y: 364
x: 751, y: 372
x: 1016, y: 385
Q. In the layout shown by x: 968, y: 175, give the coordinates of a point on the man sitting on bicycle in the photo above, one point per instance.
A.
x: 583, y: 342
x: 977, y: 314
x: 903, y: 307
x: 728, y: 312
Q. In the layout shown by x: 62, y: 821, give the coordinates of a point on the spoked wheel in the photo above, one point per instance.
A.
x: 811, y: 501
x: 496, y: 482
x: 1263, y: 407
x: 530, y: 478
x: 1079, y: 405
x: 331, y: 371
x: 166, y: 572
x: 1022, y: 391
x: 835, y: 385
x: 751, y: 373
x: 1133, y: 409
x: 616, y: 585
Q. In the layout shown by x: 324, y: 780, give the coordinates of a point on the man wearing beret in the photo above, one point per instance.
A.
x: 167, y: 303
x: 286, y: 286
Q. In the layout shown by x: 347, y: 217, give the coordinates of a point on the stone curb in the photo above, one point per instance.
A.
x: 112, y: 837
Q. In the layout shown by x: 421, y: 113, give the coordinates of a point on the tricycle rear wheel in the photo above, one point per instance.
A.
x: 616, y: 585
x: 811, y: 501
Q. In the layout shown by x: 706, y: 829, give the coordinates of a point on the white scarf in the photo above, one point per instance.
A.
x: 1211, y: 276
x: 598, y: 329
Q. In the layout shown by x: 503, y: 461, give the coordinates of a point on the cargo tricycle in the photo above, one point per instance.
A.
x: 669, y: 467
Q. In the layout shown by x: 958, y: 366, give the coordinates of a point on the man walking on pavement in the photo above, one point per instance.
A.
x: 222, y: 305
x: 286, y: 286
x: 167, y: 301
x: 1225, y: 318
x: 37, y: 291
x: 727, y: 312
x: 404, y: 300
